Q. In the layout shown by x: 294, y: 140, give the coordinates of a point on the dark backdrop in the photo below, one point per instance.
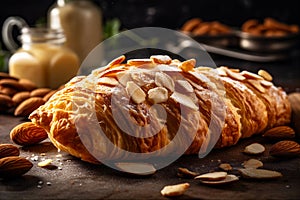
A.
x: 166, y: 13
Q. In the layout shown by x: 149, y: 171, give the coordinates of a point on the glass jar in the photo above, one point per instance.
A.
x: 81, y: 21
x: 42, y: 58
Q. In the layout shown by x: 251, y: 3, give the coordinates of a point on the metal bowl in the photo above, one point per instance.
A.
x: 221, y: 40
x: 267, y: 44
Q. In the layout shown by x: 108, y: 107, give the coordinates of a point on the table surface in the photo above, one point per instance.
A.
x: 80, y: 180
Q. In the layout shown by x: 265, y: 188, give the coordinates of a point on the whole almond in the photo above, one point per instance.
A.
x: 27, y: 84
x: 285, y: 148
x: 259, y: 173
x: 280, y: 132
x: 14, y: 166
x: 49, y: 95
x: 40, y: 92
x: 20, y: 97
x: 28, y: 106
x: 11, y: 83
x: 8, y: 91
x: 7, y: 150
x: 5, y: 101
x: 4, y: 75
x: 28, y: 133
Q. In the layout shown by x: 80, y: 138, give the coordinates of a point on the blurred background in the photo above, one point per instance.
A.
x: 164, y: 13
x: 173, y: 14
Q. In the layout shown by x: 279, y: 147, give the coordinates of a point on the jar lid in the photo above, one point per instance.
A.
x: 40, y: 35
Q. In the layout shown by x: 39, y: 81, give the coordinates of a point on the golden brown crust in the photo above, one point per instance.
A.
x: 240, y: 104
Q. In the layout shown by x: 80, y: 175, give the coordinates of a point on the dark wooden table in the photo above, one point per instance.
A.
x: 80, y: 180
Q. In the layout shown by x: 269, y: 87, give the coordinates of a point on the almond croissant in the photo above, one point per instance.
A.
x: 144, y: 105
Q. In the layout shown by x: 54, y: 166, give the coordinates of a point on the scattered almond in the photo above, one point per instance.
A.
x: 285, y: 148
x: 265, y: 75
x: 174, y: 190
x: 254, y: 148
x: 14, y: 166
x: 28, y: 106
x: 108, y: 81
x: 7, y: 150
x: 266, y: 83
x: 4, y: 75
x: 8, y: 91
x: 252, y: 163
x: 142, y: 169
x: 259, y: 173
x: 225, y: 166
x: 213, y: 176
x: 280, y: 132
x: 186, y: 173
x: 228, y: 179
x: 28, y: 133
x: 45, y: 163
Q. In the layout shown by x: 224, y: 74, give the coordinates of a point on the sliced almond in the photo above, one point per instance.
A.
x: 45, y: 163
x: 186, y: 173
x: 250, y: 75
x: 259, y: 173
x: 221, y: 71
x: 135, y: 92
x: 164, y: 80
x: 228, y: 179
x: 158, y: 95
x: 266, y: 83
x: 108, y: 81
x: 252, y: 163
x: 143, y: 169
x: 117, y: 61
x: 187, y: 65
x: 213, y: 176
x: 254, y: 148
x: 184, y: 100
x: 256, y: 84
x: 184, y: 86
x: 161, y: 59
x: 265, y: 75
x: 139, y: 61
x: 234, y: 75
x: 123, y: 77
x: 225, y: 166
x: 174, y: 190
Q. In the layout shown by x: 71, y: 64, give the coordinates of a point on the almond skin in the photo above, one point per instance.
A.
x: 14, y: 166
x: 285, y: 148
x: 5, y: 101
x: 28, y: 133
x: 40, y: 92
x: 28, y: 106
x: 20, y: 97
x: 7, y: 150
x: 279, y: 133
